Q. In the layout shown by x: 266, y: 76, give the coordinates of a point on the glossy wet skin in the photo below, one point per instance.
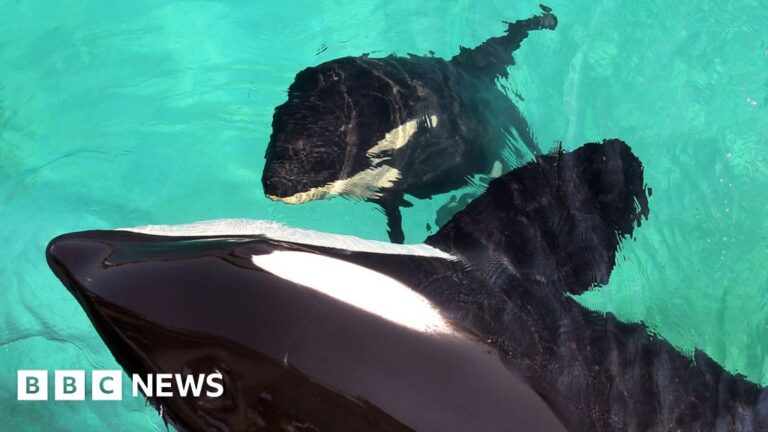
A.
x: 150, y: 329
x: 289, y: 356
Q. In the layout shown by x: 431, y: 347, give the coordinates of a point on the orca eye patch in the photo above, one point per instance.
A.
x: 358, y: 286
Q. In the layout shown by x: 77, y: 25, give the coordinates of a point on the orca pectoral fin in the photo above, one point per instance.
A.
x: 390, y: 204
x: 395, y: 224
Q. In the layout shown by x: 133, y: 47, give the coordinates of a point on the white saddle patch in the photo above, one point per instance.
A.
x: 357, y: 286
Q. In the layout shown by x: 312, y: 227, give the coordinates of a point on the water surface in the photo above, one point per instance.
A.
x: 116, y: 115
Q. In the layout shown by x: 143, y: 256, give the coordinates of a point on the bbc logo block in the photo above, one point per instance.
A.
x: 32, y: 385
x: 106, y: 385
x: 69, y: 385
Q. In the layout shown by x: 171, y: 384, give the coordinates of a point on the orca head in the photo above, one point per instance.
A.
x: 200, y: 305
x: 337, y: 132
x: 145, y: 322
x: 306, y: 336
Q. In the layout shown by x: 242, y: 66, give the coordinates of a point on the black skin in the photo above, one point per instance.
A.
x: 537, y: 235
x: 556, y: 226
x: 340, y: 109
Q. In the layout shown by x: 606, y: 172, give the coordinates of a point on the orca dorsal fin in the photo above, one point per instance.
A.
x: 492, y: 57
x: 556, y: 221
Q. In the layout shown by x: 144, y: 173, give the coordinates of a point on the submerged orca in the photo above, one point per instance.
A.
x: 474, y: 330
x: 378, y: 128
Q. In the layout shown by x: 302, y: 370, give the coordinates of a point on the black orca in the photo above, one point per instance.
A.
x: 378, y: 128
x: 476, y: 329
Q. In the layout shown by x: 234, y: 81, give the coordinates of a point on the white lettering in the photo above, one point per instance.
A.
x: 188, y: 382
x: 146, y: 387
x: 163, y: 382
x: 215, y: 381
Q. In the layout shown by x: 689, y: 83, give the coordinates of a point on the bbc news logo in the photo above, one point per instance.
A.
x: 107, y: 385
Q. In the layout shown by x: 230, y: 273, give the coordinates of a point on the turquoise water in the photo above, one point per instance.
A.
x: 123, y: 115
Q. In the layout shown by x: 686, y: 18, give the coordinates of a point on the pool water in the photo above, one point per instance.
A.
x: 115, y: 115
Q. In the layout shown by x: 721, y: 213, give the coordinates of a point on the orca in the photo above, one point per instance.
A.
x: 474, y: 329
x: 376, y: 129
